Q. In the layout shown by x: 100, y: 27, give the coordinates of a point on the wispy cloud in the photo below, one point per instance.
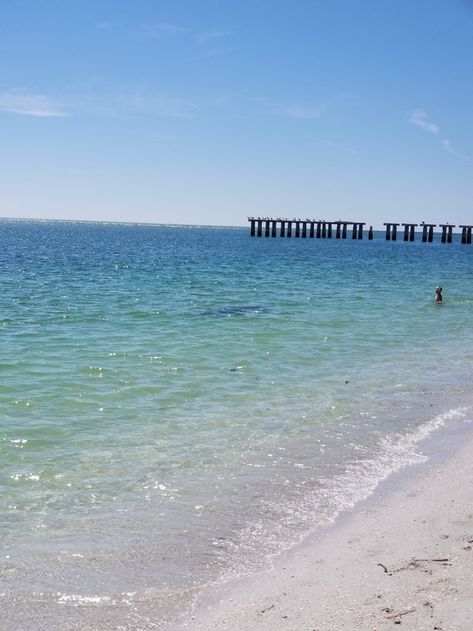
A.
x: 144, y: 101
x: 339, y: 146
x: 101, y: 98
x: 31, y: 104
x: 163, y: 29
x: 214, y: 52
x: 104, y: 26
x: 303, y: 112
x: 206, y: 44
x: 212, y: 36
x: 419, y: 119
x: 214, y: 43
x: 447, y: 145
x: 97, y: 98
x: 248, y: 105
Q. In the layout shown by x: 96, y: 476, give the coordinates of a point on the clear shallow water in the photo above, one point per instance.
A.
x: 178, y: 404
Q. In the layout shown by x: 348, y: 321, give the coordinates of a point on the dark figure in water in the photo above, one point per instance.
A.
x: 438, y: 295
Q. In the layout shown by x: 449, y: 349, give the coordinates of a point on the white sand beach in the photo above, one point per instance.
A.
x: 403, y: 559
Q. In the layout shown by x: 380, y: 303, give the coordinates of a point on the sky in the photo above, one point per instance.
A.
x: 210, y: 111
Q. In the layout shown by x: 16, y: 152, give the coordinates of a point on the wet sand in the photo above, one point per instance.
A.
x: 403, y: 559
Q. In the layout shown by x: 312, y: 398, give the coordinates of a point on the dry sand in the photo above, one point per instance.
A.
x: 403, y: 559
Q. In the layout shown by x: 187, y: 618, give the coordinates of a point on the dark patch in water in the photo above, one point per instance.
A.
x: 238, y: 310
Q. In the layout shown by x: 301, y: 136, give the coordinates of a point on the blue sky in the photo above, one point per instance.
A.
x: 206, y: 111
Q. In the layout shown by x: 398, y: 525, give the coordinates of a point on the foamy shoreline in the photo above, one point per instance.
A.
x: 404, y: 557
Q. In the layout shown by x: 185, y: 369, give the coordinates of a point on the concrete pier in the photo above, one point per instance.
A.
x: 323, y: 229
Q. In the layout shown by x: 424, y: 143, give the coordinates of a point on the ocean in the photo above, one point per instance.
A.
x: 180, y: 405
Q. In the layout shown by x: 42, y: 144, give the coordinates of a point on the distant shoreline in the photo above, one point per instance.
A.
x: 107, y: 222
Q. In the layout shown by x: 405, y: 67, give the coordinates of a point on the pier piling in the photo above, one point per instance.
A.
x: 360, y: 230
x: 428, y: 232
x: 466, y: 233
x: 391, y: 231
x: 409, y: 231
x: 447, y: 232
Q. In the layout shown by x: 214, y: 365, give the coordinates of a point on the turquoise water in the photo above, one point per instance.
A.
x: 180, y: 404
